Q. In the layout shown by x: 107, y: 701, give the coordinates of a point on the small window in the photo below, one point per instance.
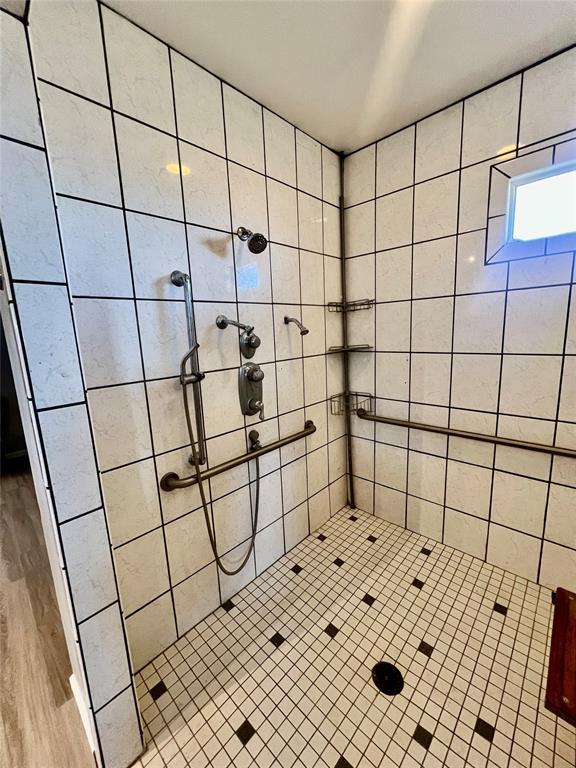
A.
x: 542, y: 204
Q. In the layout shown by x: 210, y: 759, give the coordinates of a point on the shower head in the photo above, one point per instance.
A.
x: 256, y: 241
x: 303, y: 329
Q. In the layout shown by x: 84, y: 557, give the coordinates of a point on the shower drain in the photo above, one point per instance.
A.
x: 387, y: 678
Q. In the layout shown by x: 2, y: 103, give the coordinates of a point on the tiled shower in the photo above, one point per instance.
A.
x: 122, y: 161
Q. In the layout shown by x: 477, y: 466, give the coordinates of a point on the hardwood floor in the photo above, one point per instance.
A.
x: 40, y: 726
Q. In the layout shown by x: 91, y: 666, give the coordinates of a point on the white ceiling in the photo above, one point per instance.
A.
x: 351, y: 71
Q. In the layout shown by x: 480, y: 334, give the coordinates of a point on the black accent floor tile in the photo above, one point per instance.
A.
x: 342, y: 763
x: 418, y: 583
x: 353, y: 518
x: 426, y: 551
x: 297, y: 568
x: 277, y: 639
x: 426, y: 648
x: 372, y: 539
x: 245, y: 732
x: 422, y: 736
x: 228, y: 605
x: 501, y: 609
x: 331, y: 630
x: 368, y: 599
x: 157, y: 690
x: 338, y: 562
x: 322, y: 537
x: 484, y: 729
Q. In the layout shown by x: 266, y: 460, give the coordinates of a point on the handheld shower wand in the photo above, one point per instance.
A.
x: 302, y: 328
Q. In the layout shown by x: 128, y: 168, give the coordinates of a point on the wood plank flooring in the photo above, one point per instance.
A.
x: 40, y: 726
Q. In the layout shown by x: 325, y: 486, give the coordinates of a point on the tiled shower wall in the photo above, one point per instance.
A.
x: 488, y: 349
x: 104, y: 330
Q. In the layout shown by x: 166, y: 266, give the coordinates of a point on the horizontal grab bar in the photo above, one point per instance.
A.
x: 171, y: 481
x: 527, y: 446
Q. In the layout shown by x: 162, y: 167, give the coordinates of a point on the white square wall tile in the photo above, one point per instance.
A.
x: 395, y: 161
x: 394, y: 220
x: 312, y: 277
x: 164, y: 336
x: 296, y: 526
x: 536, y: 320
x: 393, y: 274
x: 430, y: 378
x: 294, y: 490
x: 436, y: 207
x: 248, y: 199
x: 211, y: 264
x: 568, y: 396
x: 151, y: 238
x: 491, y: 121
x: 269, y: 546
x: 425, y: 517
x: 70, y: 455
x: 546, y: 110
x: 119, y: 728
x: 558, y: 567
x: 468, y: 488
x: 206, y: 196
x: 514, y: 551
x: 108, y: 341
x: 104, y: 651
x: 94, y: 240
x: 145, y: 159
x: 530, y: 385
x: 139, y: 68
x: 19, y: 118
x: 67, y: 43
x: 393, y: 326
x: 433, y: 268
x: 28, y: 216
x: 198, y: 596
x: 309, y: 164
x: 285, y: 274
x: 359, y: 224
x: 244, y: 131
x: 282, y: 213
x: 478, y: 323
x: 560, y: 518
x: 472, y: 276
x: 145, y: 645
x: 167, y: 414
x: 222, y: 414
x: 438, y: 143
x: 330, y: 176
x: 48, y: 334
x: 80, y: 143
x: 132, y: 505
x: 120, y: 420
x: 390, y: 505
x: 475, y: 380
x: 309, y: 222
x: 188, y: 545
x: 432, y: 325
x: 392, y: 375
x: 280, y: 148
x: 360, y: 176
x: 89, y: 563
x: 465, y: 533
x: 426, y: 476
x: 360, y: 278
x: 142, y: 570
x: 198, y: 96
x: 390, y: 466
x: 519, y: 502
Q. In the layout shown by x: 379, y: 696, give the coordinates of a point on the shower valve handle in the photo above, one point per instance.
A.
x: 255, y: 374
x: 257, y: 405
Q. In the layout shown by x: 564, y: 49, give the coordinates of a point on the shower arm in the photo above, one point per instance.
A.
x: 195, y: 376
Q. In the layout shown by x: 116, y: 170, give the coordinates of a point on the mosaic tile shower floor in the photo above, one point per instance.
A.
x: 281, y: 675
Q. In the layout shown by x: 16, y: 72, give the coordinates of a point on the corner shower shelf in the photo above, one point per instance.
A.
x: 343, y: 403
x: 351, y: 348
x: 350, y: 306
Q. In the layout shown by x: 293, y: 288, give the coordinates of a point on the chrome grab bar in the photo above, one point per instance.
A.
x: 171, y: 481
x: 478, y: 436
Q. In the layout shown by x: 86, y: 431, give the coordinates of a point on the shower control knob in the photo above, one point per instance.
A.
x: 254, y: 341
x: 255, y: 374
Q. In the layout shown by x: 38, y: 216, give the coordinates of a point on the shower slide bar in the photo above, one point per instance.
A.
x: 478, y: 436
x: 171, y: 481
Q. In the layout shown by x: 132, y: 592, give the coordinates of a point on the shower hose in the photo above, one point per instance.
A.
x: 198, y: 470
